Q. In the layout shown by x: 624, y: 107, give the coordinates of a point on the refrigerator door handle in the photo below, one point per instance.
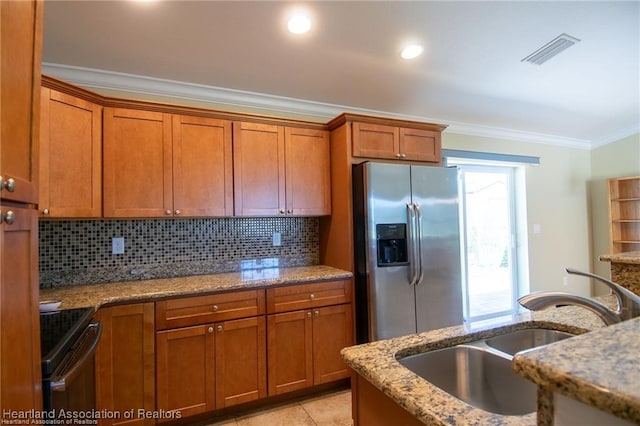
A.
x: 411, y: 215
x: 418, y: 236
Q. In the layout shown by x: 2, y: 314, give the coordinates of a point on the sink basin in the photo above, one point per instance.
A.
x: 520, y: 340
x: 476, y: 376
x: 479, y: 373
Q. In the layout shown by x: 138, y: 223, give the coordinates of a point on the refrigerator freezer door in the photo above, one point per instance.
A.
x: 439, y: 294
x: 391, y: 297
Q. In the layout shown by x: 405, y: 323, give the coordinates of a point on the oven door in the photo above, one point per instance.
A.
x: 72, y: 386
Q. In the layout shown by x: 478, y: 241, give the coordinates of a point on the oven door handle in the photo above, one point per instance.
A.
x: 60, y: 384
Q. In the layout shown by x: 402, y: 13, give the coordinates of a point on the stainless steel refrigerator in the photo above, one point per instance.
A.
x: 408, y: 274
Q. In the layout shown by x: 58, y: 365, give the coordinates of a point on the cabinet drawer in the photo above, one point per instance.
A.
x: 304, y: 296
x: 188, y: 311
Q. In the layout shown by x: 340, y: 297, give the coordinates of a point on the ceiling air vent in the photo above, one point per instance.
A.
x: 551, y: 49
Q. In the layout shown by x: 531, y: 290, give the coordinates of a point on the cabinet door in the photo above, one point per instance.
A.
x: 308, y: 179
x: 420, y: 145
x: 70, y: 156
x: 240, y: 361
x: 258, y: 169
x: 290, y: 351
x: 332, y: 331
x: 125, y: 360
x: 202, y: 167
x: 137, y: 163
x: 185, y: 370
x: 375, y: 141
x: 20, y: 52
x: 20, y: 332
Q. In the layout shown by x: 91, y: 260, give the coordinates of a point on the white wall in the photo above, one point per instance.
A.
x: 621, y: 158
x: 557, y: 200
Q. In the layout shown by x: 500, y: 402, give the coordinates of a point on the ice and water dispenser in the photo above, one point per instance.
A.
x: 391, y: 240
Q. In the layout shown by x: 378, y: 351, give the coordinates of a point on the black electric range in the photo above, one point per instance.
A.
x: 68, y: 338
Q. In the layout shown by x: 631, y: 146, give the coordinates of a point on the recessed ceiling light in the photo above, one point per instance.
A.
x: 411, y: 51
x: 299, y: 24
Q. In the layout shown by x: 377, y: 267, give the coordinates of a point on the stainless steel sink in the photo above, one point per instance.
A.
x: 520, y: 340
x: 476, y: 376
x: 479, y: 373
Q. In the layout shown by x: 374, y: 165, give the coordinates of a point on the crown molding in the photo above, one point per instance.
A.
x: 234, y: 100
x: 624, y: 133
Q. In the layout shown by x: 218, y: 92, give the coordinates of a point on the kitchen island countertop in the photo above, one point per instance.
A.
x: 631, y: 257
x: 589, y: 353
x: 97, y: 295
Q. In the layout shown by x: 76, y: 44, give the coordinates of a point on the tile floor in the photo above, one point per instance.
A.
x: 331, y: 409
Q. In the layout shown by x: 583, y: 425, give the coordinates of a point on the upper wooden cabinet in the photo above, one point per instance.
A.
x: 258, y: 169
x: 307, y: 174
x: 159, y: 165
x: 395, y: 143
x: 20, y: 45
x: 624, y: 214
x: 70, y: 156
x: 280, y: 170
x: 202, y: 166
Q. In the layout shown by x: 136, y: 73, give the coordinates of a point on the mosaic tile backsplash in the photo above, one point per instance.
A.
x: 79, y: 251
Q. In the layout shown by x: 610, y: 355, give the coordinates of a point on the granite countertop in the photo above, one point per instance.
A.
x: 97, y: 295
x: 628, y: 257
x: 599, y: 369
x: 376, y: 363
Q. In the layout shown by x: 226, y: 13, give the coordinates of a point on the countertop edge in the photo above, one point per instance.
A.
x: 125, y: 292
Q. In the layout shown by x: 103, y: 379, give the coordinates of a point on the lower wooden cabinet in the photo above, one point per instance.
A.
x: 125, y: 362
x: 207, y: 367
x: 198, y: 354
x: 304, y: 347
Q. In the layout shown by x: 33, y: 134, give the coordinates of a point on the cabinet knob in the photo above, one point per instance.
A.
x: 9, y: 217
x: 281, y: 211
x: 219, y: 328
x: 316, y: 313
x: 308, y: 314
x: 290, y: 211
x: 403, y: 155
x: 178, y: 212
x: 167, y: 212
x: 398, y: 155
x: 210, y: 330
x: 9, y: 184
x: 45, y: 212
x: 215, y: 308
x: 312, y: 296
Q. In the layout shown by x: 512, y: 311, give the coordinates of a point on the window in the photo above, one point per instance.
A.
x: 493, y: 222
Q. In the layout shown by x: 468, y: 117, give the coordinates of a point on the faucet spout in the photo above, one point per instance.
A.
x: 544, y: 299
x: 627, y: 301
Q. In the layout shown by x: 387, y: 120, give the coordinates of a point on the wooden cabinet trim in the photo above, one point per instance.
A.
x: 187, y: 311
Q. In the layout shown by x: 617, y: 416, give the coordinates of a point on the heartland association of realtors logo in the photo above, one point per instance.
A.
x: 74, y: 417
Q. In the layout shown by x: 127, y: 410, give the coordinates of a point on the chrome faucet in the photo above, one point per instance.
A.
x: 628, y: 303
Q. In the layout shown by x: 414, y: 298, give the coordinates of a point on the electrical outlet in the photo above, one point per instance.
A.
x: 117, y: 245
x: 277, y: 239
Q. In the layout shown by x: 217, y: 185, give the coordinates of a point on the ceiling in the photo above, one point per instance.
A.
x: 470, y: 75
